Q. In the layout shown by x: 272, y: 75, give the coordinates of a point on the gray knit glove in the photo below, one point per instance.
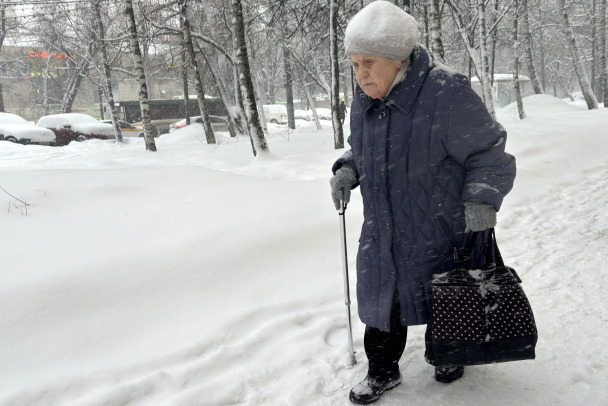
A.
x: 478, y: 215
x: 342, y: 182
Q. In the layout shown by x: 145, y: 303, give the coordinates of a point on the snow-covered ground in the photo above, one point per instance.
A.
x: 198, y: 275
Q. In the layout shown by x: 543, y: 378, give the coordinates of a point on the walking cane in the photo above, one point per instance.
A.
x: 352, y: 361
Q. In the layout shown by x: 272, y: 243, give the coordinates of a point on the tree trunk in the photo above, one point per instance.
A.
x: 2, y: 36
x: 184, y: 72
x: 291, y: 121
x: 237, y: 123
x: 106, y: 72
x: 484, y: 73
x: 313, y: 107
x: 335, y: 75
x: 73, y: 84
x: 45, y: 86
x: 238, y: 97
x: 520, y: 103
x: 594, y: 56
x: 492, y: 36
x: 141, y: 77
x: 200, y: 91
x: 543, y: 59
x: 236, y: 120
x: 527, y: 40
x: 581, y: 74
x: 476, y: 56
x: 435, y: 30
x: 345, y: 85
x: 185, y: 89
x: 602, y: 52
x: 258, y: 140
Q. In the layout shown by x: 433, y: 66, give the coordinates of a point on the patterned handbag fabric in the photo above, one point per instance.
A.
x: 479, y: 316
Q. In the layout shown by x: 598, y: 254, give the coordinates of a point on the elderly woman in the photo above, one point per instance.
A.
x: 431, y: 166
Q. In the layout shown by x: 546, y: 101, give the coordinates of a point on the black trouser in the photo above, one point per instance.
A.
x: 385, y: 349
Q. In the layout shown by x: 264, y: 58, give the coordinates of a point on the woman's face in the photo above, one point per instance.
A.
x: 375, y: 74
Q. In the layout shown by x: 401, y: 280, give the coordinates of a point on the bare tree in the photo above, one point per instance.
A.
x: 472, y: 36
x: 200, y: 91
x: 222, y: 67
x: 581, y: 74
x: 2, y: 37
x: 436, y: 42
x: 107, y: 75
x: 520, y: 104
x: 335, y: 78
x: 256, y: 134
x: 72, y: 84
x: 478, y: 56
x: 291, y: 122
x: 527, y: 40
x: 141, y: 77
x: 184, y: 72
x: 602, y: 52
x: 484, y: 67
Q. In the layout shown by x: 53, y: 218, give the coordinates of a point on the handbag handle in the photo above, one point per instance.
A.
x: 473, y: 244
x: 493, y: 246
x: 492, y: 253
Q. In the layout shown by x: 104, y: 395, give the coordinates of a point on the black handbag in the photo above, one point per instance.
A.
x: 479, y: 314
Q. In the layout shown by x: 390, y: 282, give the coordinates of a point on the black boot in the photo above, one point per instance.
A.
x: 448, y: 374
x: 383, y: 352
x: 370, y: 390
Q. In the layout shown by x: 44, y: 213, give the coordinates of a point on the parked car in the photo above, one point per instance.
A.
x: 130, y: 130
x: 17, y: 129
x: 275, y: 113
x: 324, y: 113
x: 217, y: 123
x: 303, y: 114
x: 70, y: 127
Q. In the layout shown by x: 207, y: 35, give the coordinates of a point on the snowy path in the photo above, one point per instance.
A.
x: 233, y: 295
x: 280, y: 356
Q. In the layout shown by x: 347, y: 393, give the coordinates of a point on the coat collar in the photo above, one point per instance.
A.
x: 403, y: 95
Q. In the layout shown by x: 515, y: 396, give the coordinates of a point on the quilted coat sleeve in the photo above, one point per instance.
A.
x: 477, y: 143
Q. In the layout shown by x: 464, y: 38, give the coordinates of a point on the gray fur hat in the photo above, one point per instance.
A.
x: 382, y: 29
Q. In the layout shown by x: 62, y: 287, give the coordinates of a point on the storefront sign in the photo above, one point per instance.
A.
x: 45, y: 55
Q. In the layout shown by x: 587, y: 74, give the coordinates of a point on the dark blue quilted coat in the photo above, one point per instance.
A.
x: 419, y: 154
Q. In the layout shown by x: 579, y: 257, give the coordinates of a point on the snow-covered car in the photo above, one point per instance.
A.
x: 17, y: 129
x: 275, y: 113
x: 70, y: 127
x: 303, y: 114
x: 217, y: 123
x: 130, y: 130
x: 324, y: 113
